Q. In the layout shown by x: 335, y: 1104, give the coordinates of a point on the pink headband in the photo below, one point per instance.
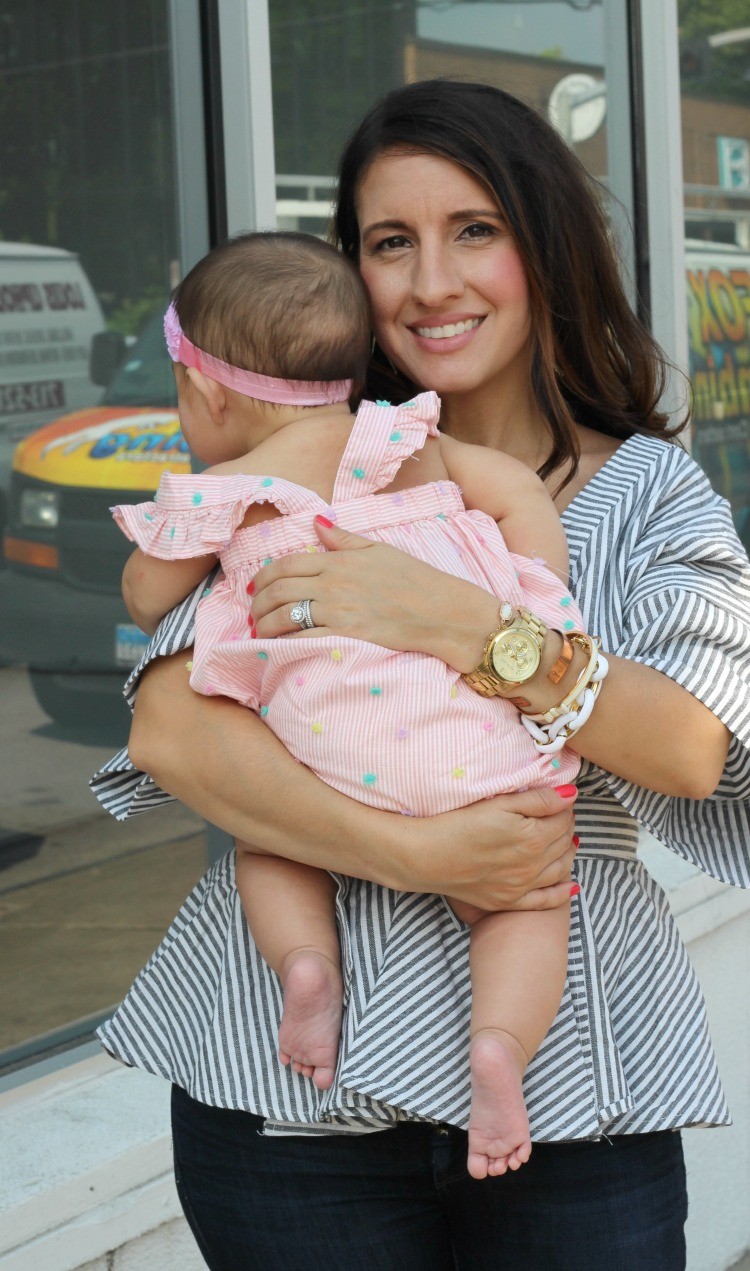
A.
x: 265, y: 388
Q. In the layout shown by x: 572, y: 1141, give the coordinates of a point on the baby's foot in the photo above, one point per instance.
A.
x: 311, y: 1021
x: 498, y: 1123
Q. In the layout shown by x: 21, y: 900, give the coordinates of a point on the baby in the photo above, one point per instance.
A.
x: 270, y: 335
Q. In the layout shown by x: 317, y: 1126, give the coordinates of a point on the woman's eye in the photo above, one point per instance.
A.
x: 392, y: 243
x: 478, y: 230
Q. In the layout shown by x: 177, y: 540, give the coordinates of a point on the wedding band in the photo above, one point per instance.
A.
x: 300, y: 613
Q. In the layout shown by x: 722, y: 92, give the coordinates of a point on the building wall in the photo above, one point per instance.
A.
x: 530, y: 78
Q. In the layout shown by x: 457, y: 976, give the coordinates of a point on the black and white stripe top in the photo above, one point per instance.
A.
x: 659, y: 573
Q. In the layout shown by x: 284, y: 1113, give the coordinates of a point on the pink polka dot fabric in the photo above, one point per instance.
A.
x: 401, y: 731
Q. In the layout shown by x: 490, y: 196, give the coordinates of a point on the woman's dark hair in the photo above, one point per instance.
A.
x: 592, y: 361
x: 279, y: 303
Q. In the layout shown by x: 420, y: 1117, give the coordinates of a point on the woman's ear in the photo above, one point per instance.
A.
x: 212, y: 393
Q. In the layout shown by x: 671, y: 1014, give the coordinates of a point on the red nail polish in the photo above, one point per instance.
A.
x: 250, y: 622
x: 250, y: 588
x: 566, y: 792
x: 323, y: 520
x: 574, y: 889
x: 576, y: 841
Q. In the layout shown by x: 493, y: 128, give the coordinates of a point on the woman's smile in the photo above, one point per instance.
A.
x: 446, y: 280
x: 446, y: 333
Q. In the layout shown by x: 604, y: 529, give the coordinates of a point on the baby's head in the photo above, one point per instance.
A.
x: 284, y: 305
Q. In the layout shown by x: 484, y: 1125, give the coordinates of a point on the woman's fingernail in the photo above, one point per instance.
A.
x: 576, y: 841
x: 323, y: 520
x: 250, y: 588
x: 566, y: 792
x: 574, y: 889
x: 250, y: 622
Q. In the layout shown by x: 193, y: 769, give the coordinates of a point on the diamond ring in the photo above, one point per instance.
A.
x: 300, y: 613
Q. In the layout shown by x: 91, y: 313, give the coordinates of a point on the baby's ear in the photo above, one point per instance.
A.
x: 212, y: 393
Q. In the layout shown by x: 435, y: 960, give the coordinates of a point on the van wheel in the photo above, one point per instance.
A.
x: 85, y: 708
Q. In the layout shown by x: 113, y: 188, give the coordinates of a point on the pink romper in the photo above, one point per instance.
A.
x: 400, y: 731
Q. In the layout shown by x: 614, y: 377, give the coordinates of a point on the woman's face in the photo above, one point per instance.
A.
x: 449, y: 293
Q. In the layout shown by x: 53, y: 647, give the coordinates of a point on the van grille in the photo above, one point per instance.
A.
x: 92, y: 549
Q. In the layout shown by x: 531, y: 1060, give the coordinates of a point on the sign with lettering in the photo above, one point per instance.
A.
x: 718, y: 296
x: 35, y: 297
x: 39, y: 395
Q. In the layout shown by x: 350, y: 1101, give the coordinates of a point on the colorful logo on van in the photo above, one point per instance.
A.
x: 109, y: 448
x: 718, y: 323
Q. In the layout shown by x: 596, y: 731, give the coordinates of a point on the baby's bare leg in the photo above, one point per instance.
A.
x: 290, y: 912
x: 518, y: 967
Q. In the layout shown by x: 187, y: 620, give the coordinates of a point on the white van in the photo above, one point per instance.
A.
x: 48, y: 315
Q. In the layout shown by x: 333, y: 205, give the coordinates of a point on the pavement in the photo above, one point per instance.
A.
x: 84, y: 900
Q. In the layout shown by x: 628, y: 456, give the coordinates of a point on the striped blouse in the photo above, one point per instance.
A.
x: 659, y: 573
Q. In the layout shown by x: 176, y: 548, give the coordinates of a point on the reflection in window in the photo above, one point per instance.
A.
x: 86, y: 141
x: 88, y: 219
x: 328, y: 68
x: 145, y: 377
x: 715, y: 75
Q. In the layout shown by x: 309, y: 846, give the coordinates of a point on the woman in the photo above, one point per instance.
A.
x: 464, y: 210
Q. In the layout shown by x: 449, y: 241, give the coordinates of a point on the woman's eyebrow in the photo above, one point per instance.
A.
x: 473, y: 213
x: 383, y: 225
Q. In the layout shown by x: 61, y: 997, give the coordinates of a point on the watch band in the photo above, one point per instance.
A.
x: 486, y: 683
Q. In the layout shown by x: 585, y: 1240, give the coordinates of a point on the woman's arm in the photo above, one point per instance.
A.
x: 514, y: 851
x: 151, y: 587
x: 654, y: 733
x: 645, y: 727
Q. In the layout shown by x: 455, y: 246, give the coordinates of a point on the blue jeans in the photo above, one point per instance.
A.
x: 401, y: 1200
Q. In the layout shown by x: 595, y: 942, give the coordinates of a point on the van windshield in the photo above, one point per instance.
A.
x: 145, y: 377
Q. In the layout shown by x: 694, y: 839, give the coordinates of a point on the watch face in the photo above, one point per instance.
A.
x: 515, y: 656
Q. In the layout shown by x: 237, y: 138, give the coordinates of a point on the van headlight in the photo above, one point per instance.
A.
x: 40, y: 509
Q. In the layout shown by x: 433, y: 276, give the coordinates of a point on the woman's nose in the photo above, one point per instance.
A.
x: 436, y: 278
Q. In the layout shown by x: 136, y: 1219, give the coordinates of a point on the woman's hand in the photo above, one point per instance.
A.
x: 515, y: 851
x: 217, y: 757
x: 370, y: 591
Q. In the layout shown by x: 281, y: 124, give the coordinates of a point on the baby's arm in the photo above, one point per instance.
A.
x: 151, y: 587
x: 514, y: 496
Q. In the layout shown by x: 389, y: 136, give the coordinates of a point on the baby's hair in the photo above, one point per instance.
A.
x: 282, y: 304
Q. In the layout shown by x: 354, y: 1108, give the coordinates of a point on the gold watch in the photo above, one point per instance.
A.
x: 512, y: 654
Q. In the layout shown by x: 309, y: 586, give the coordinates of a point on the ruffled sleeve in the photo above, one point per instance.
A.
x: 686, y: 612
x: 424, y: 410
x: 408, y: 429
x: 382, y: 437
x: 190, y: 515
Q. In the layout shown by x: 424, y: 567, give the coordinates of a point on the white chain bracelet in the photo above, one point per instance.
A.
x: 549, y: 739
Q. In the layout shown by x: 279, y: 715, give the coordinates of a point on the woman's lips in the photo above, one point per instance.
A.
x: 445, y: 336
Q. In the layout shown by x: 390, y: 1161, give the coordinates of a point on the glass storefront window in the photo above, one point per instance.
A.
x: 715, y: 83
x: 568, y: 60
x: 89, y: 251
